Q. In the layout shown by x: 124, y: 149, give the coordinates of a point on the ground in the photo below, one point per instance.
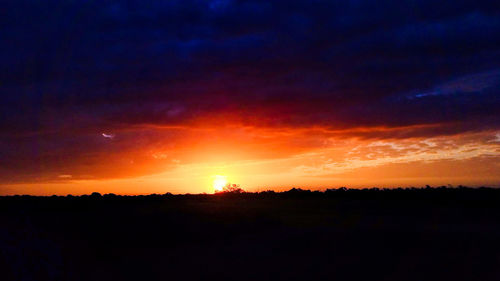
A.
x: 425, y: 234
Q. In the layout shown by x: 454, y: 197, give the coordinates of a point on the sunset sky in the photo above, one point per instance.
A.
x: 139, y: 97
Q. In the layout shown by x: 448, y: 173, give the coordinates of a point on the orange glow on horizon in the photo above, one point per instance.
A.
x: 179, y: 160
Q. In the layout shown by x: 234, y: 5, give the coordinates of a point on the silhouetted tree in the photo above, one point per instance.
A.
x: 232, y: 188
x: 95, y: 195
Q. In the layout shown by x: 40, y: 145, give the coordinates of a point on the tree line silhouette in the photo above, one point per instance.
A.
x: 427, y: 233
x: 236, y: 190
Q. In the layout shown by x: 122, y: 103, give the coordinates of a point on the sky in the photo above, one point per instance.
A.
x: 139, y: 97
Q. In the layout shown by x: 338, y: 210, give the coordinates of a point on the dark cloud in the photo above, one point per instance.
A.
x: 77, y: 68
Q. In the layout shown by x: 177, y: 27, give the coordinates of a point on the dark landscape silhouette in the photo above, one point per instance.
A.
x: 432, y: 233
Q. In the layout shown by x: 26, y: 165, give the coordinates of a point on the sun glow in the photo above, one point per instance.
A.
x: 219, y: 183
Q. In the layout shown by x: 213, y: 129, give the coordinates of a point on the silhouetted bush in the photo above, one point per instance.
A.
x: 231, y: 189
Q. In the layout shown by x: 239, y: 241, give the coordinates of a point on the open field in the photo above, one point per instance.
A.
x: 425, y: 234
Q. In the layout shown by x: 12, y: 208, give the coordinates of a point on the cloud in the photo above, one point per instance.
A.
x: 108, y: 136
x: 350, y: 69
x: 369, y: 154
x: 467, y: 84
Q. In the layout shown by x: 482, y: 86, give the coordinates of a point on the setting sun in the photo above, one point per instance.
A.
x: 219, y: 183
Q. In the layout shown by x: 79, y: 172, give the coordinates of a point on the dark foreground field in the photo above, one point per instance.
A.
x: 428, y: 234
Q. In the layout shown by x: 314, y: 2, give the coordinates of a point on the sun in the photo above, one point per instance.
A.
x: 219, y: 183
